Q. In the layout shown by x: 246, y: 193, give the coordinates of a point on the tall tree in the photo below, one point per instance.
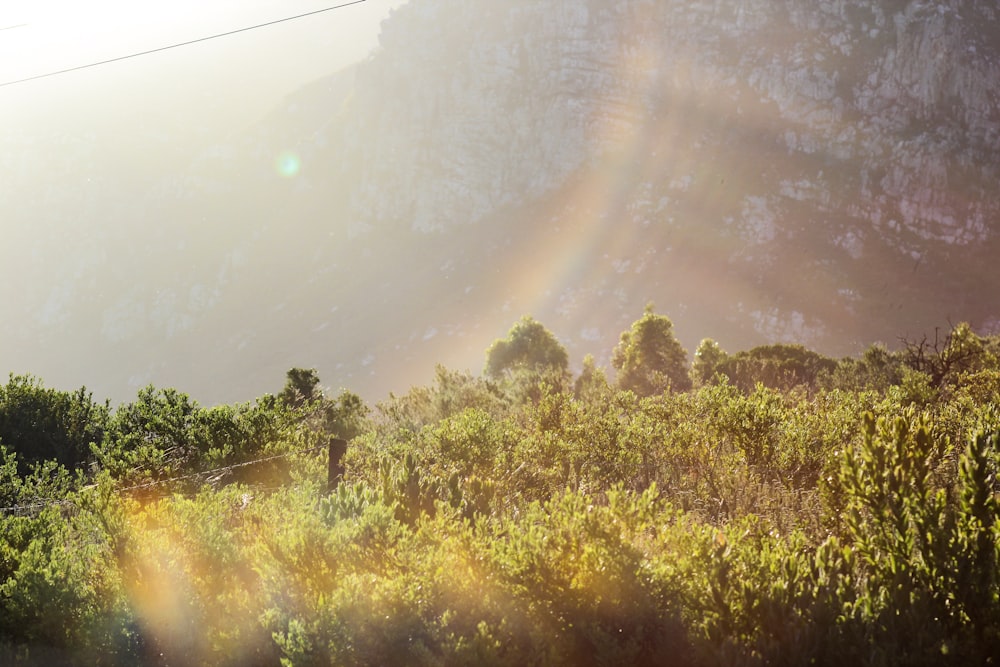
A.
x: 301, y: 387
x: 707, y: 359
x: 592, y: 384
x: 649, y: 358
x: 341, y: 417
x: 529, y: 346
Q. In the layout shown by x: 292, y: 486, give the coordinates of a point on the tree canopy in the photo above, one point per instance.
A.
x: 529, y: 346
x: 301, y: 387
x: 707, y: 359
x: 47, y: 424
x: 649, y: 358
x: 779, y: 366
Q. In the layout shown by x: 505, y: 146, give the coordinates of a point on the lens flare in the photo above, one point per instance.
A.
x: 288, y: 164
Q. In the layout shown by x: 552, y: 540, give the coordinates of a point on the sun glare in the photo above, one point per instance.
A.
x: 41, y: 36
x: 58, y: 34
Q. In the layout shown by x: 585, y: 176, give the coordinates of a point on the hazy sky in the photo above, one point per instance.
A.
x: 252, y: 68
x: 77, y: 149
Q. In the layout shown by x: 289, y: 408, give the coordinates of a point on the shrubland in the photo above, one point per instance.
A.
x: 773, y: 506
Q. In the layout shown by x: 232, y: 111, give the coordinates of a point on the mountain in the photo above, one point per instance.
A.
x: 818, y: 172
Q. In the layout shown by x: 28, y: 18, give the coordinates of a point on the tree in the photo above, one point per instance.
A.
x: 944, y: 358
x: 452, y: 393
x: 153, y: 436
x: 342, y: 417
x: 345, y: 416
x: 707, y: 359
x: 528, y: 346
x: 877, y: 369
x: 42, y: 424
x: 301, y: 387
x: 649, y: 358
x: 778, y: 366
x: 592, y: 384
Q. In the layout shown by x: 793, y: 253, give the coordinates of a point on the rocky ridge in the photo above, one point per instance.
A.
x: 822, y: 172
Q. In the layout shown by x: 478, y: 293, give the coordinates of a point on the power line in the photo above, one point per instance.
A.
x: 179, y: 44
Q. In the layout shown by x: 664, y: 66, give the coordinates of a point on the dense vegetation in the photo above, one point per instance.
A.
x: 772, y: 506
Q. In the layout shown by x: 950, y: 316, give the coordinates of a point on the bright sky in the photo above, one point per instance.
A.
x: 218, y: 86
x: 38, y: 36
x: 81, y: 138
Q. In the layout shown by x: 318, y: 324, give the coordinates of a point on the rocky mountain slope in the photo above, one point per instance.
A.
x: 823, y: 172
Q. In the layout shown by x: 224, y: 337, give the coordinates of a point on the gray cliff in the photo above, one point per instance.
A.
x: 780, y: 170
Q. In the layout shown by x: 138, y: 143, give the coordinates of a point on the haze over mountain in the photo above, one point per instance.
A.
x: 789, y: 170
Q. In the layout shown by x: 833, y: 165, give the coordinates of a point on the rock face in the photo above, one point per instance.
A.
x: 492, y: 106
x: 856, y: 133
x: 499, y: 106
x: 822, y: 172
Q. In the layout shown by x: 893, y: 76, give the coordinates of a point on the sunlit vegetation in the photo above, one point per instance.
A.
x: 768, y: 507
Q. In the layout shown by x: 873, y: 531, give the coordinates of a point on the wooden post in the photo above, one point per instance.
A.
x: 335, y: 469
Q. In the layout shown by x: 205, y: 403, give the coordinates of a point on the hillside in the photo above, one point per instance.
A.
x: 766, y: 171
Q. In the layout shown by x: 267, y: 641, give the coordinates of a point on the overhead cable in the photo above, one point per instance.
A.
x: 178, y: 44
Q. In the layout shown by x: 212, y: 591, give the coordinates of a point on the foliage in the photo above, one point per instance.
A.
x: 649, y: 358
x: 60, y: 590
x: 707, y: 359
x: 43, y: 424
x: 779, y: 366
x: 876, y: 369
x: 165, y: 434
x: 591, y: 385
x: 528, y: 346
x: 943, y: 358
x: 301, y: 387
x: 797, y: 516
x: 926, y: 567
x: 302, y: 395
x: 451, y: 393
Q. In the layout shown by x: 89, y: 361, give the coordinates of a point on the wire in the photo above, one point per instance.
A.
x: 179, y: 44
x: 220, y: 470
x: 50, y: 503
